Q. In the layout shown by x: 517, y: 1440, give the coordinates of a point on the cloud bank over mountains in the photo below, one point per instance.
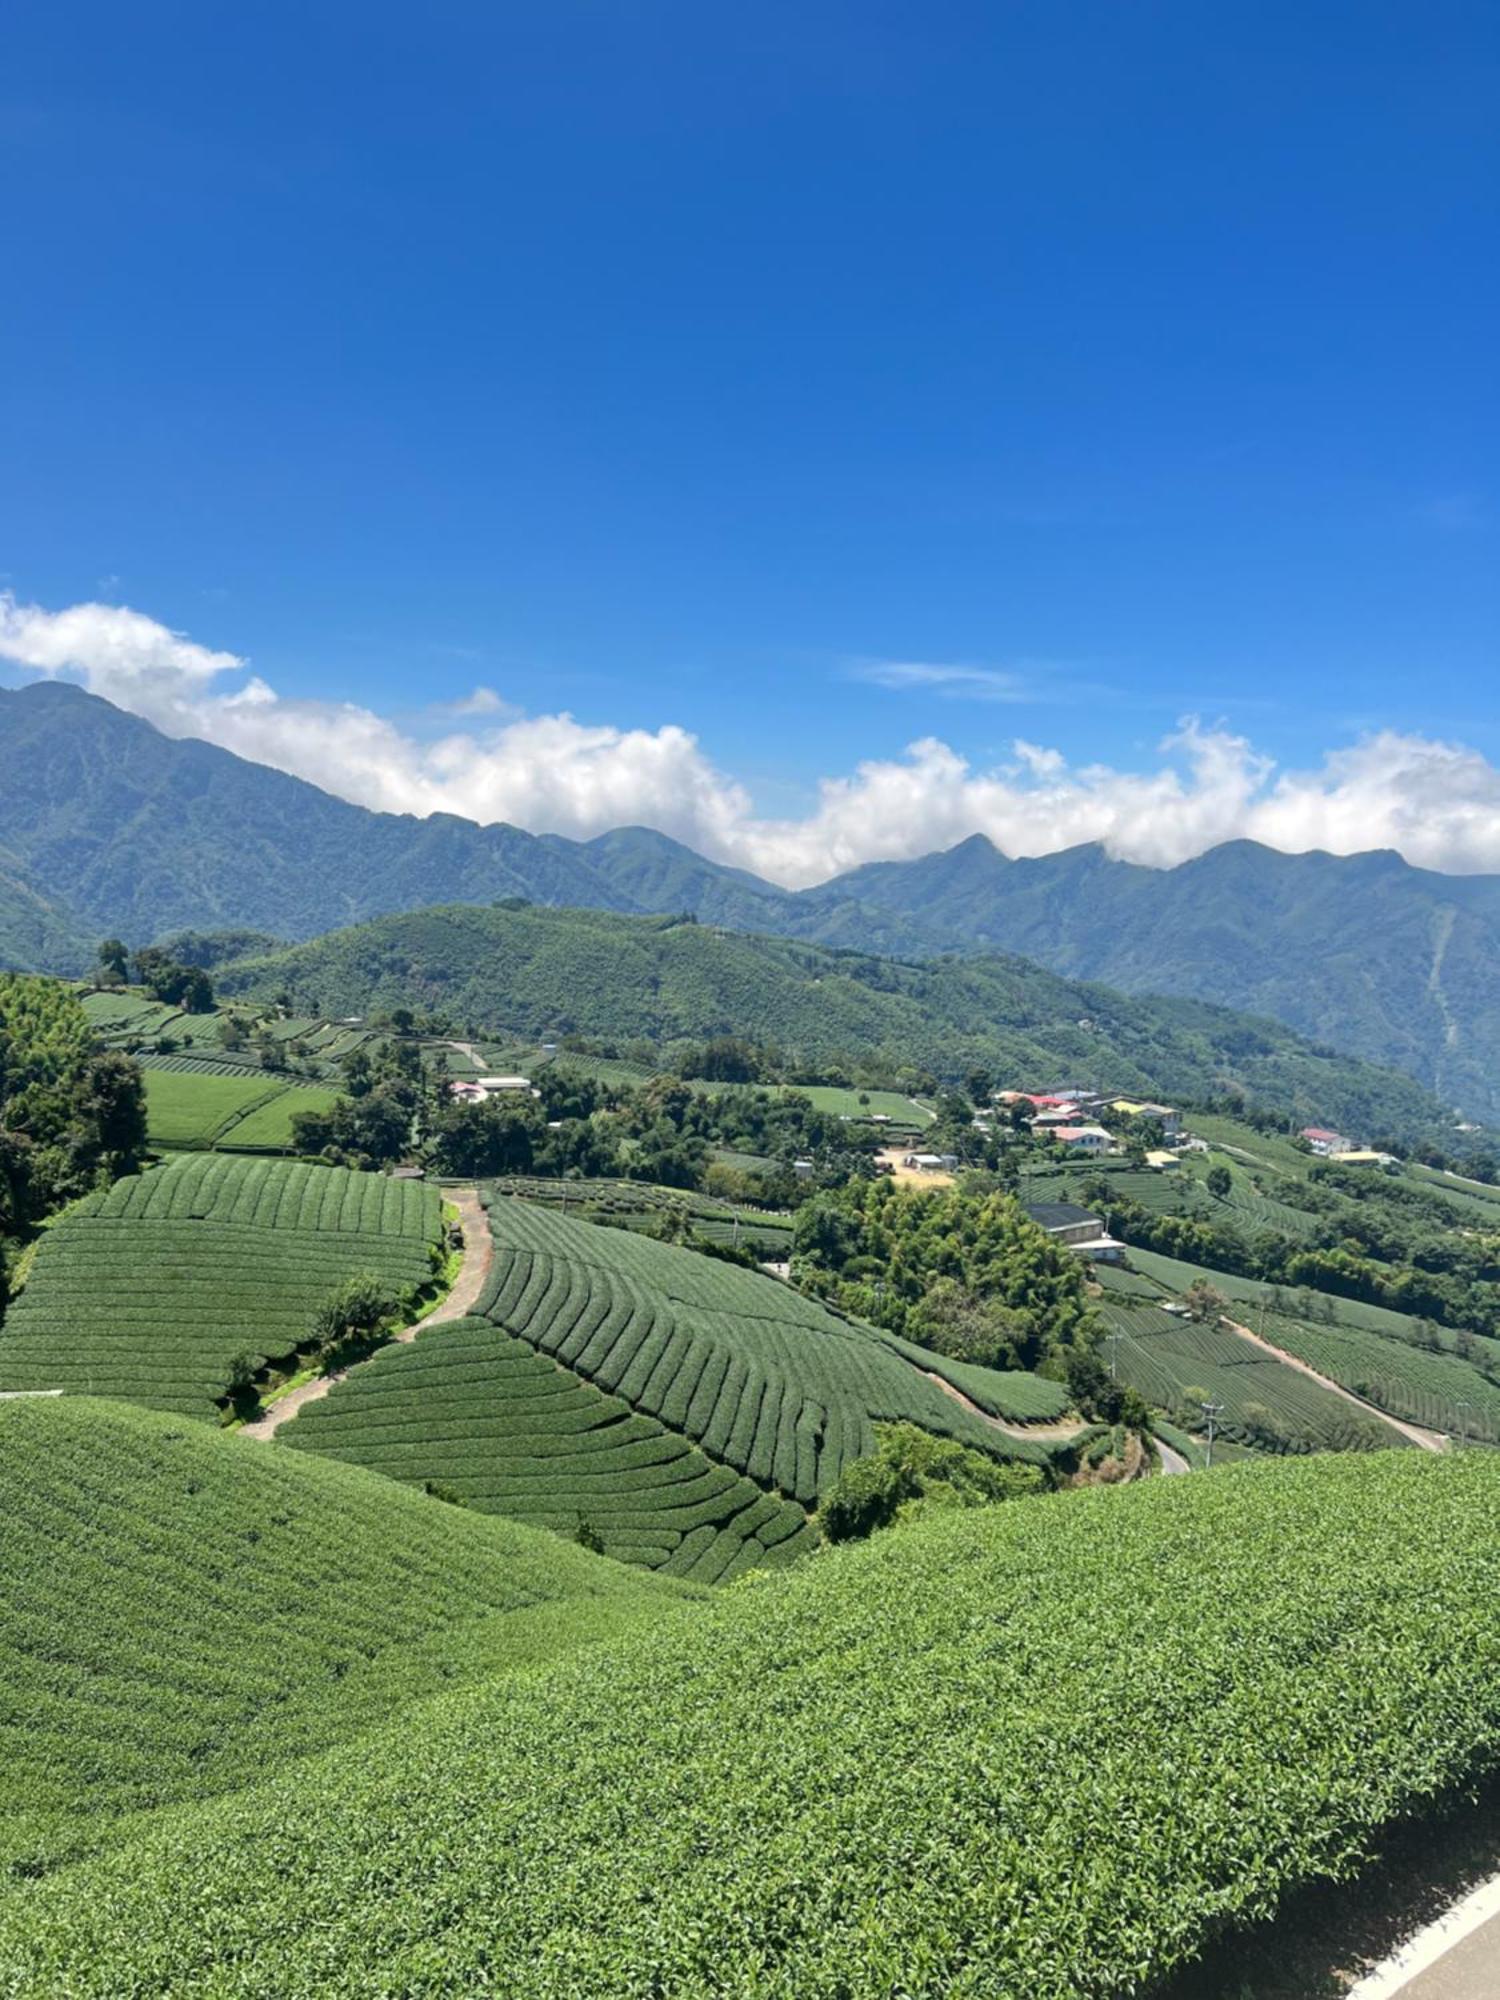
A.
x: 1436, y: 803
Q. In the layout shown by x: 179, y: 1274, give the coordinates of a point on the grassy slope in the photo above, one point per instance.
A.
x: 183, y: 1609
x: 873, y: 1775
x: 547, y: 971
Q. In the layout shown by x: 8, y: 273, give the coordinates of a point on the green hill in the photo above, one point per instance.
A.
x: 545, y: 971
x: 184, y: 1610
x: 487, y: 1417
x: 154, y: 1289
x: 691, y: 1412
x: 1042, y: 1749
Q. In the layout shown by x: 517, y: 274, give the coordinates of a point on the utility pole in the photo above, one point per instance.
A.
x: 1114, y: 1351
x: 1210, y: 1410
x: 1461, y: 1411
x: 736, y: 1243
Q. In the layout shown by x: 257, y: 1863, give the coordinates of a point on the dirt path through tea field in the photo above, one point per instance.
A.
x: 1425, y: 1440
x: 1040, y: 1433
x: 479, y: 1251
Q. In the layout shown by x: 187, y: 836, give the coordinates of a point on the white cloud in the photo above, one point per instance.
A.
x: 1437, y: 803
x: 953, y: 681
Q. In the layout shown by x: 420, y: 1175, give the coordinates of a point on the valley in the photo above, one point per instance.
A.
x: 480, y: 1330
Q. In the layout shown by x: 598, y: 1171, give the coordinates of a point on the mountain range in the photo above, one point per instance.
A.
x: 109, y: 826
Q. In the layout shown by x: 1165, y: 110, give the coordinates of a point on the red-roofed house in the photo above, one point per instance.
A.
x: 1323, y: 1141
x: 1082, y: 1138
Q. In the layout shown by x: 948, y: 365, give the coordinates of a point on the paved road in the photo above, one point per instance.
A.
x: 478, y: 1250
x: 1172, y: 1462
x: 1470, y: 1971
x: 1455, y: 1957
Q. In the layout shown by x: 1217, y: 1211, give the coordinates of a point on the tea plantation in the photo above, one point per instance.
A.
x: 760, y: 1377
x: 1262, y: 1401
x: 923, y: 1766
x: 153, y: 1290
x: 182, y: 1608
x: 507, y: 1430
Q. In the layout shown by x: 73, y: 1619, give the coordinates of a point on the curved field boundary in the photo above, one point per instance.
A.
x: 478, y: 1252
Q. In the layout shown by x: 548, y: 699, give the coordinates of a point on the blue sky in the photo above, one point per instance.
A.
x: 810, y: 379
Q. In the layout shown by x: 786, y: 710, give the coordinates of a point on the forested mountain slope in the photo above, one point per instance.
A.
x: 1391, y: 962
x: 551, y: 971
x: 106, y: 825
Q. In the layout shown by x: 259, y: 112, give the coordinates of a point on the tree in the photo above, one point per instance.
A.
x: 114, y: 961
x: 1204, y: 1302
x: 955, y: 1321
x: 499, y: 1136
x: 1219, y: 1182
x: 112, y: 1106
x: 352, y: 1316
x: 911, y: 1470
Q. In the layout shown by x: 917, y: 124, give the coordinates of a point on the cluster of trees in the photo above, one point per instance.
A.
x: 380, y: 1113
x: 964, y: 1272
x: 909, y: 1473
x: 174, y: 981
x: 72, y: 1116
x: 576, y: 1126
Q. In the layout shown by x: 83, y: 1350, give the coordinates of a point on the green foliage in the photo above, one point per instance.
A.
x: 827, y: 1783
x: 548, y: 971
x: 967, y: 1273
x: 71, y: 1116
x: 182, y: 1608
x: 153, y: 1290
x: 186, y: 986
x: 910, y: 1467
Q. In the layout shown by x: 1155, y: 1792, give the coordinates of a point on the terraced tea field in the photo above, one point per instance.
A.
x: 153, y: 1290
x: 826, y: 1783
x: 1265, y: 1403
x: 494, y: 1421
x: 641, y: 1205
x: 758, y: 1376
x: 180, y: 1606
x: 1441, y: 1391
x: 250, y: 1111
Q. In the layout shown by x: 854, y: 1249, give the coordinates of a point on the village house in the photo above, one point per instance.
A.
x: 1157, y: 1114
x: 482, y: 1087
x: 1077, y: 1230
x: 931, y: 1163
x: 1082, y: 1138
x: 1055, y: 1116
x: 1323, y: 1142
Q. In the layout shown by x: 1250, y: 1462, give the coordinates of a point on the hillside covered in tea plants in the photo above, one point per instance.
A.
x: 827, y: 1782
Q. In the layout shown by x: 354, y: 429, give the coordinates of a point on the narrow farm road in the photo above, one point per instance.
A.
x: 479, y: 1250
x: 1426, y: 1440
x: 1048, y: 1433
x: 1172, y: 1462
